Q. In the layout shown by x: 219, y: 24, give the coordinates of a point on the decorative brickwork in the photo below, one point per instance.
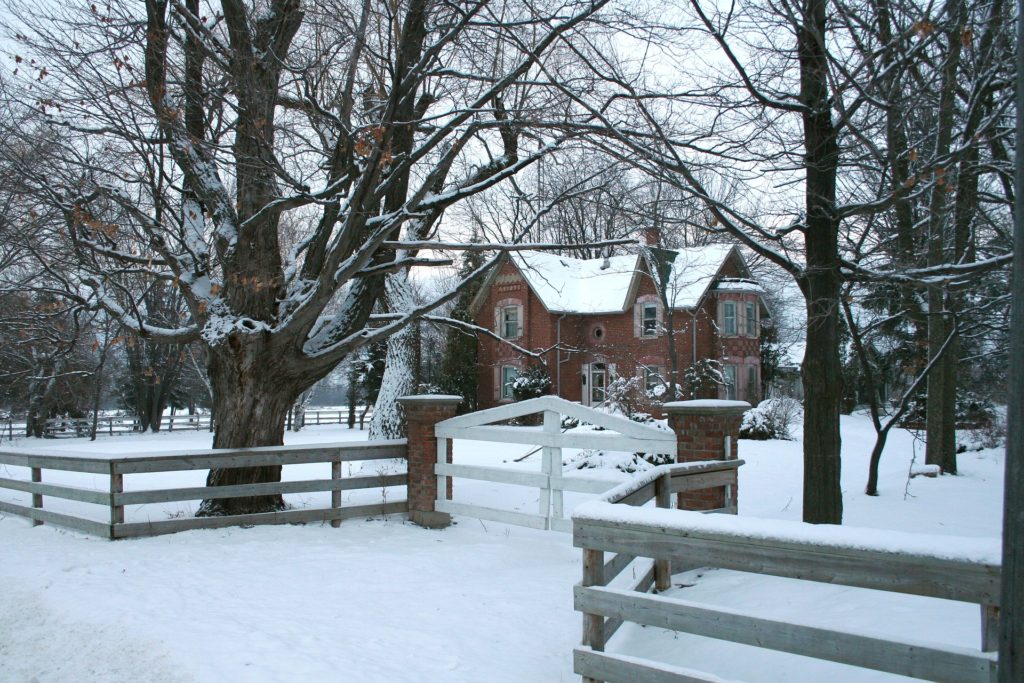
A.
x: 421, y: 414
x: 701, y: 429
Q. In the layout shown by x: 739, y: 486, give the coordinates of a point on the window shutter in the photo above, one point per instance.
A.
x: 497, y: 321
x: 497, y: 383
x: 612, y: 374
x: 741, y: 319
x: 721, y: 318
x: 520, y: 320
x: 661, y: 319
x: 637, y: 316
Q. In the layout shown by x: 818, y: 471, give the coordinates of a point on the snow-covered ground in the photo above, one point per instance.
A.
x: 383, y: 600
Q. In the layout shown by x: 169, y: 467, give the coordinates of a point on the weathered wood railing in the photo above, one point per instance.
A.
x: 113, y: 425
x: 964, y: 569
x: 115, y: 498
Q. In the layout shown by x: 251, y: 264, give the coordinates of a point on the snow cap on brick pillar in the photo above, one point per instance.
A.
x: 704, y: 429
x: 421, y: 414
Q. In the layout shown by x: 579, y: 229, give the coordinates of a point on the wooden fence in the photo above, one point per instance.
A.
x: 71, y: 427
x: 114, y: 425
x: 115, y: 498
x: 689, y: 538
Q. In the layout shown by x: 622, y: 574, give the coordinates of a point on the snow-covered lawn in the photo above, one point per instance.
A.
x: 383, y: 600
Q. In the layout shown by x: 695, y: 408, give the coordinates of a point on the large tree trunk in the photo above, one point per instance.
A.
x: 252, y: 398
x: 822, y: 370
x: 940, y: 439
x: 940, y: 419
x: 388, y: 421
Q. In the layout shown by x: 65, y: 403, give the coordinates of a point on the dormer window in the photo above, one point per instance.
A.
x: 649, y: 320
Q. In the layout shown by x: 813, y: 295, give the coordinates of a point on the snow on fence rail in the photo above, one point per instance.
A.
x: 115, y: 498
x: 964, y: 569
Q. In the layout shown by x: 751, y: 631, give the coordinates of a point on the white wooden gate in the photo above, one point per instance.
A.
x: 620, y: 434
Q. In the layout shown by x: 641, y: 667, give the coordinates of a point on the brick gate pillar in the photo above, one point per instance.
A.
x: 705, y: 430
x: 421, y: 414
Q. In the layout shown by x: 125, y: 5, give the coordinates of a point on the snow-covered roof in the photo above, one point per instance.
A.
x: 571, y: 285
x: 693, y: 271
x: 737, y: 285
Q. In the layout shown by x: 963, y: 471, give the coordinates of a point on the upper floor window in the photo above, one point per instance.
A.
x: 509, y: 322
x: 649, y: 320
x: 729, y: 318
x: 751, y: 319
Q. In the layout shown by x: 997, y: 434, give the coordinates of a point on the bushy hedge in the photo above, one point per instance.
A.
x: 771, y: 419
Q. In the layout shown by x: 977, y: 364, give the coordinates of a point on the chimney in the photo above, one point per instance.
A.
x: 650, y: 236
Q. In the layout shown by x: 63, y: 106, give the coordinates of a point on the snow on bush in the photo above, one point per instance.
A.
x: 625, y: 396
x: 991, y: 434
x: 630, y: 463
x: 771, y: 419
x: 703, y: 378
x: 533, y: 382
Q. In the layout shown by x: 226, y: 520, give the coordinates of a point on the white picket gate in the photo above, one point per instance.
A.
x: 620, y: 434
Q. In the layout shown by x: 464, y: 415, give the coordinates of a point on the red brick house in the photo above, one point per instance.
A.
x: 599, y: 319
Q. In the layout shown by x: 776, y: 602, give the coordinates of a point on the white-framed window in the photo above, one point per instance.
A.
x: 508, y: 376
x: 751, y: 320
x: 649, y: 320
x: 729, y: 318
x: 729, y: 374
x: 752, y: 385
x: 509, y: 322
x: 652, y: 377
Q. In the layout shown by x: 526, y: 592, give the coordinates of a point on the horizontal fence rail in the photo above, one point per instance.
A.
x: 785, y: 549
x: 115, y: 498
x: 114, y: 425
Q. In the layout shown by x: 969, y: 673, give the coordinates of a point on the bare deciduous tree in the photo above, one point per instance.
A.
x: 274, y: 163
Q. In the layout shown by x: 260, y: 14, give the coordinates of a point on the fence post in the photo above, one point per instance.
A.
x: 116, y: 487
x: 37, y: 498
x: 593, y: 624
x: 336, y: 493
x: 663, y: 499
x: 706, y: 430
x: 553, y: 467
x: 424, y: 451
x: 989, y: 628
